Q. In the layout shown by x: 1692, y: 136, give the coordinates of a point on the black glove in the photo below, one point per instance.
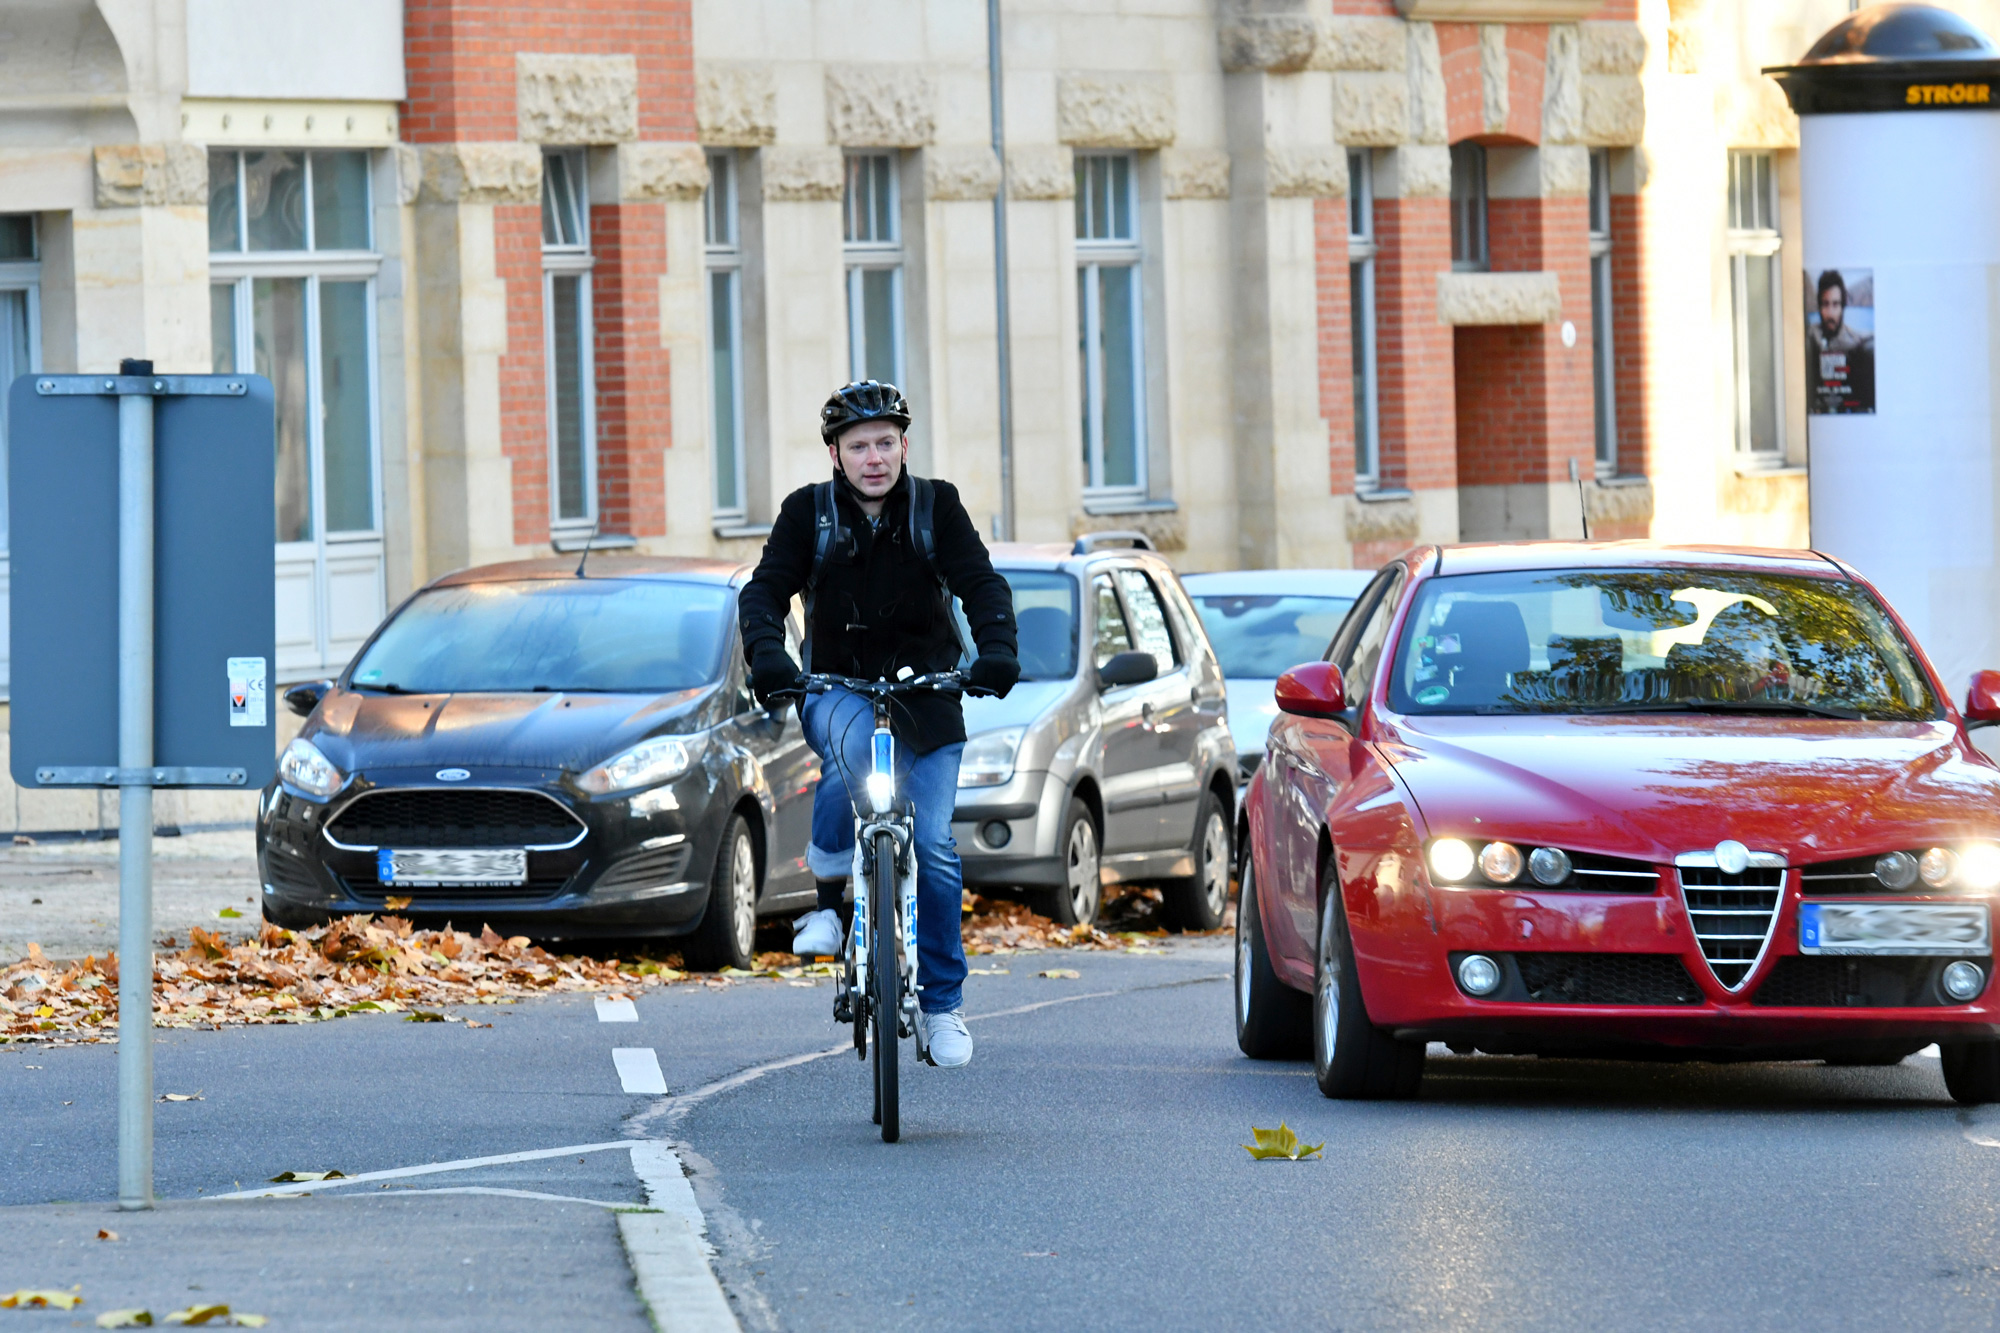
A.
x: 994, y: 672
x: 772, y: 670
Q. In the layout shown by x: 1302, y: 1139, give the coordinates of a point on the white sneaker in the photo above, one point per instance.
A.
x: 945, y: 1036
x: 817, y: 932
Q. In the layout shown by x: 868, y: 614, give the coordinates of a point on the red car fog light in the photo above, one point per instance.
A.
x: 1962, y: 981
x: 1478, y: 974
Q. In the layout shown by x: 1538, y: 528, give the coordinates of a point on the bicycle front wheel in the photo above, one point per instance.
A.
x: 884, y: 953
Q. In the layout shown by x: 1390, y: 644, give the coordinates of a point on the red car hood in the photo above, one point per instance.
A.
x: 1812, y: 789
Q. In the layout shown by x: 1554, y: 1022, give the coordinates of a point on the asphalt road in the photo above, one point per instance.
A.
x: 1083, y: 1172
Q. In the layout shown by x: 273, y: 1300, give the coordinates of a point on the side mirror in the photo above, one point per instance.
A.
x: 1312, y: 690
x: 1128, y: 668
x: 1982, y: 700
x: 302, y: 699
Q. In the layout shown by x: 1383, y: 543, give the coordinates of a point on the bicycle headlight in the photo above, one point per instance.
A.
x: 304, y: 767
x: 988, y: 759
x: 881, y: 791
x: 647, y: 764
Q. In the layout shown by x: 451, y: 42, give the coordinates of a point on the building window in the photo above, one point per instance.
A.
x: 724, y: 240
x: 1110, y: 320
x: 874, y: 255
x: 293, y: 300
x: 20, y: 340
x: 1468, y: 208
x: 1755, y: 295
x: 567, y: 332
x: 1603, y: 366
x: 1361, y: 315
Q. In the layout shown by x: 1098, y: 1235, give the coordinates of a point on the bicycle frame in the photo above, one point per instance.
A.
x: 886, y: 814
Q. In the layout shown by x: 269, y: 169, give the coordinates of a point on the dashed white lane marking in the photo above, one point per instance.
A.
x: 428, y: 1169
x: 639, y: 1071
x: 616, y: 1011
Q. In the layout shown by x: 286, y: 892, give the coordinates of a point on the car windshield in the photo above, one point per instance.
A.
x: 1262, y: 637
x: 627, y: 636
x: 1654, y: 640
x: 1045, y: 617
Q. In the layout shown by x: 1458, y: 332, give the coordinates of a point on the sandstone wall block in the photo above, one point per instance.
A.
x: 961, y: 171
x: 1194, y: 173
x: 150, y: 174
x: 1349, y: 43
x: 1115, y: 111
x: 1493, y: 101
x: 804, y: 174
x: 1498, y: 298
x: 1381, y: 520
x: 1612, y: 48
x: 1562, y: 86
x: 1371, y: 110
x: 409, y: 173
x: 481, y: 173
x: 1425, y: 67
x: 661, y: 172
x: 1628, y: 503
x: 1305, y: 173
x: 1423, y: 171
x: 1565, y: 170
x: 735, y: 105
x: 572, y: 99
x: 880, y: 106
x: 1043, y: 171
x: 1276, y: 43
x: 1614, y: 110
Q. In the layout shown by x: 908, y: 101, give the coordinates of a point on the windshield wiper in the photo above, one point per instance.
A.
x: 1731, y: 706
x: 385, y: 687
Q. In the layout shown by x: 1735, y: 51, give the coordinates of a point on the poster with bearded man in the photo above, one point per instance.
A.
x: 1840, y: 341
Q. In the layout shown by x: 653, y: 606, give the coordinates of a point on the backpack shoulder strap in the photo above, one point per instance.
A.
x: 826, y: 538
x: 923, y: 539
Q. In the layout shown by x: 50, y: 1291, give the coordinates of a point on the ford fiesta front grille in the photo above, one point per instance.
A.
x: 1732, y: 914
x: 454, y: 817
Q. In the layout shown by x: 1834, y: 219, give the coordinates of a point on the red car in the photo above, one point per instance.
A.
x: 1621, y: 799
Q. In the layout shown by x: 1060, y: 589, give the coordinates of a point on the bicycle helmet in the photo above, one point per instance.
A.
x: 863, y: 400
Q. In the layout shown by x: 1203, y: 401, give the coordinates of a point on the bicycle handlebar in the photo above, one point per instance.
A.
x: 943, y: 682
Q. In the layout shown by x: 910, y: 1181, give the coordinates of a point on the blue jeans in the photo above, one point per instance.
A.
x: 840, y: 727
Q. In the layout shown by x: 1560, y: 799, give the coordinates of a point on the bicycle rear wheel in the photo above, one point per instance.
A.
x: 884, y: 951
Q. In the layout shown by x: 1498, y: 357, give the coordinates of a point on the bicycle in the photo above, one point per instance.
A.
x: 877, y: 988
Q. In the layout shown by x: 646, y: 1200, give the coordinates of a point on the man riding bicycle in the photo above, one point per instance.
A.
x: 879, y: 609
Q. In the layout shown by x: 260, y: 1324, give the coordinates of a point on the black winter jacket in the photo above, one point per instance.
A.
x: 877, y: 609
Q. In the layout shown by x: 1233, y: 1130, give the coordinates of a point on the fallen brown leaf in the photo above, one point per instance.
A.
x: 396, y: 902
x: 106, y: 1234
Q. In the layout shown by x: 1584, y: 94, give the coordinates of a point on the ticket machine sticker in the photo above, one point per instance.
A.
x: 247, y: 691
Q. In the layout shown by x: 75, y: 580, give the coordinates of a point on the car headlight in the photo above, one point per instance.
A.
x: 304, y: 767
x: 647, y: 764
x: 988, y: 759
x: 1979, y: 866
x: 1500, y: 862
x: 1451, y: 860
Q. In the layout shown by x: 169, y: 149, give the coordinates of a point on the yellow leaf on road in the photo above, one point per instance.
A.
x: 125, y: 1319
x: 1060, y: 973
x: 229, y: 914
x: 423, y: 1016
x: 199, y: 1314
x: 396, y: 903
x: 27, y: 1299
x: 1280, y: 1142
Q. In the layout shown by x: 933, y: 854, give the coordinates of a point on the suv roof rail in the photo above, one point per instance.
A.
x: 1097, y: 541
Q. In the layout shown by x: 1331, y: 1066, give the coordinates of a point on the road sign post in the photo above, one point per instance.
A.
x: 144, y: 627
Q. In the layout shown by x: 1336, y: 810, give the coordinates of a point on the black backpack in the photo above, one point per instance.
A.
x: 830, y: 535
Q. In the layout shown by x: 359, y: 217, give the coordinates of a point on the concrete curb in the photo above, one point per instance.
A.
x: 667, y: 1249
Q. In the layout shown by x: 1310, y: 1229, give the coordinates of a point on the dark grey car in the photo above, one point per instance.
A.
x: 1111, y: 762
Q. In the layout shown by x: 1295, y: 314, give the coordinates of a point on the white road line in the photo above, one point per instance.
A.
x: 668, y: 1249
x: 429, y: 1169
x: 639, y: 1071
x: 614, y: 1205
x: 616, y: 1011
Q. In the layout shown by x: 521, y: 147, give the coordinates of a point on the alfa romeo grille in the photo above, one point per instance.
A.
x: 454, y: 817
x: 1732, y: 915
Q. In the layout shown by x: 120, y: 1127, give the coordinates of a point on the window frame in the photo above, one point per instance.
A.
x: 1095, y: 254
x: 1471, y: 235
x: 1604, y: 361
x: 24, y: 276
x: 723, y: 257
x: 861, y: 256
x: 565, y: 260
x: 1362, y: 322
x: 1744, y: 244
x: 1122, y: 579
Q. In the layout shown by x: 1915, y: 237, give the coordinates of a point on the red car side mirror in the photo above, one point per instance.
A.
x: 1316, y: 690
x: 1982, y: 700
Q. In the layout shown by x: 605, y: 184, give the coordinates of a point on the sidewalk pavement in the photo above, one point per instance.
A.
x: 64, y: 895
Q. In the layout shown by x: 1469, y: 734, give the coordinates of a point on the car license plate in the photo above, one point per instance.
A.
x: 1895, y: 928
x: 471, y: 867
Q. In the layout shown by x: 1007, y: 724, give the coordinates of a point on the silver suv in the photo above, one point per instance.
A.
x: 1111, y: 762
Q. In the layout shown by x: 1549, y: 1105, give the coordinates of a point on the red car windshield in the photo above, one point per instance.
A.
x: 1654, y: 640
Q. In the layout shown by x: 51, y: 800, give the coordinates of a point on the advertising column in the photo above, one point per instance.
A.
x: 1899, y: 166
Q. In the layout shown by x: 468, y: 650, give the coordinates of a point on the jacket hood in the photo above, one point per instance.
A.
x: 552, y: 731
x: 1814, y: 790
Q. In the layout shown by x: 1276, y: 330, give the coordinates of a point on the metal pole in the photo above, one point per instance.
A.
x: 135, y: 801
x: 1004, y: 319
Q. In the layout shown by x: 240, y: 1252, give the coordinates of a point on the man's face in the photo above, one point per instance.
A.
x: 871, y: 456
x: 1832, y: 310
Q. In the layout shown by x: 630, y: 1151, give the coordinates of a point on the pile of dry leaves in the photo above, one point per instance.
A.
x: 356, y: 964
